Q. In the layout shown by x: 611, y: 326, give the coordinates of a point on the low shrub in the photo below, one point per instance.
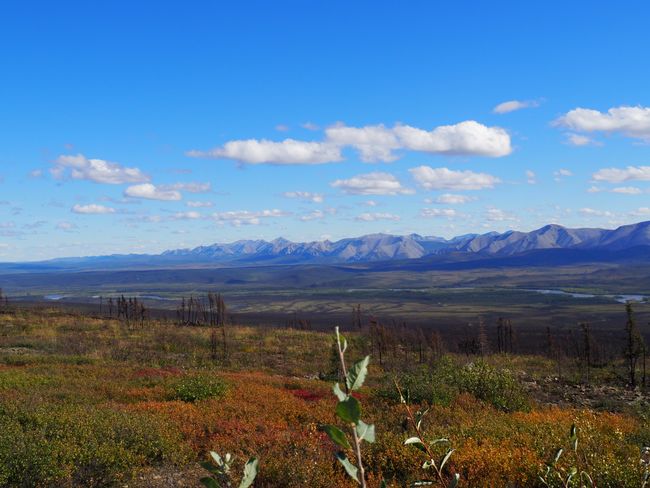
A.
x: 198, y: 387
x: 442, y: 383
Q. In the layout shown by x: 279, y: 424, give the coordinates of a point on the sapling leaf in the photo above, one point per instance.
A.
x: 340, y: 394
x: 454, y: 481
x: 438, y: 441
x: 446, y: 458
x: 337, y: 436
x: 415, y: 442
x: 357, y: 374
x: 349, y: 410
x: 350, y: 468
x: 210, y: 483
x: 557, y: 456
x: 250, y: 472
x: 365, y: 432
x: 217, y: 458
x: 210, y: 467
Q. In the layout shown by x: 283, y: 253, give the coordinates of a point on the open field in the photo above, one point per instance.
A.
x: 95, y: 402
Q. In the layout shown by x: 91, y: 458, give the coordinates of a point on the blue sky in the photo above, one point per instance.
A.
x: 143, y: 126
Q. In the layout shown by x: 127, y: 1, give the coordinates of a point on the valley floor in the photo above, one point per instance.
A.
x: 89, y: 401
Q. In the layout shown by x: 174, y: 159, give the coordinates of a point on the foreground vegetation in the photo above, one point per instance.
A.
x: 88, y: 401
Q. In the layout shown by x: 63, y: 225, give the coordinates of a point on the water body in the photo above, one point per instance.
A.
x: 54, y: 297
x: 618, y: 298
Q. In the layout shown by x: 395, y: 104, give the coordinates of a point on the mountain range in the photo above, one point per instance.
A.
x: 375, y: 248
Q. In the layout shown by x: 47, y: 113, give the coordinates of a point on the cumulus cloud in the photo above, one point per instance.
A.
x: 198, y: 204
x: 66, y: 226
x: 376, y: 183
x: 438, y: 212
x: 512, y: 105
x: 531, y: 177
x: 97, y: 170
x: 309, y: 126
x: 561, y: 173
x: 590, y: 212
x: 374, y: 143
x: 446, y: 179
x: 191, y: 215
x: 192, y: 187
x: 580, y: 140
x: 305, y: 196
x: 289, y: 151
x: 498, y: 215
x: 641, y: 212
x: 619, y: 175
x: 92, y: 208
x: 453, y: 199
x: 318, y: 214
x: 374, y: 216
x: 627, y: 190
x: 152, y: 192
x: 245, y: 217
x: 630, y: 121
x: 378, y: 143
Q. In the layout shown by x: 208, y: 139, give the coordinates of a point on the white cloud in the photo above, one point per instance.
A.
x: 498, y: 215
x: 245, y: 217
x: 512, y: 105
x: 313, y: 215
x: 590, y: 212
x: 36, y: 173
x: 580, y: 140
x: 309, y: 126
x: 191, y: 187
x: 66, y: 226
x: 627, y: 190
x: 641, y: 212
x: 453, y: 199
x: 282, y: 128
x: 594, y: 189
x: 151, y: 192
x: 375, y: 183
x: 374, y: 216
x: 97, y: 170
x: 191, y: 215
x: 92, y: 208
x: 446, y: 179
x: 438, y: 212
x: 374, y: 142
x: 561, y: 173
x: 305, y: 196
x: 619, y: 175
x: 370, y: 203
x: 630, y: 121
x: 289, y: 151
x: 531, y: 177
x: 198, y: 204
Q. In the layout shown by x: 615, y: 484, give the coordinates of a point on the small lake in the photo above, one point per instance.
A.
x: 618, y: 298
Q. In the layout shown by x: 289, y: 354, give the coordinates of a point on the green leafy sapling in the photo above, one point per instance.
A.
x: 433, y: 462
x: 220, y: 472
x: 348, y: 410
x: 572, y: 476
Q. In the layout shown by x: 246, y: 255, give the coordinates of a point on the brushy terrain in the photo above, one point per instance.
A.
x: 87, y: 401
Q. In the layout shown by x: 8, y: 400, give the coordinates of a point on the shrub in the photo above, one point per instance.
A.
x: 198, y: 387
x: 441, y: 384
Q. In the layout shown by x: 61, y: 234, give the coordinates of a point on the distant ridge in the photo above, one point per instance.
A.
x: 374, y: 248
